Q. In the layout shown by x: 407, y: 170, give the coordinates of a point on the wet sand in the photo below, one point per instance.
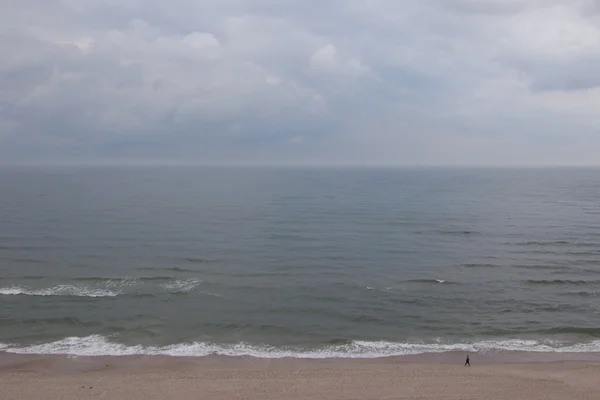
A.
x: 435, y: 376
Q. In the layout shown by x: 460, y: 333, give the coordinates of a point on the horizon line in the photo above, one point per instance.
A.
x: 286, y: 165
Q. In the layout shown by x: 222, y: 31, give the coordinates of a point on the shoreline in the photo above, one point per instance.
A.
x: 437, y: 376
x: 62, y: 363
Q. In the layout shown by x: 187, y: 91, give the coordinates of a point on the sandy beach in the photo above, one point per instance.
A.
x: 421, y: 377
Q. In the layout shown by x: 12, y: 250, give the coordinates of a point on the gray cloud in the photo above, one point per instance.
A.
x: 425, y: 81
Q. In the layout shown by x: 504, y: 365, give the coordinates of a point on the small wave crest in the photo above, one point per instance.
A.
x: 196, y: 260
x: 428, y: 281
x: 179, y: 269
x: 483, y: 265
x: 449, y: 232
x: 31, y: 277
x: 97, y: 345
x: 182, y: 285
x: 107, y: 287
x: 538, y: 267
x: 174, y: 269
x: 543, y: 243
x: 593, y: 332
x: 59, y: 290
x: 583, y: 294
x: 122, y: 281
x: 561, y: 282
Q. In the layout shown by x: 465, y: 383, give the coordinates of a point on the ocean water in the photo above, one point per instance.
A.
x: 298, y: 262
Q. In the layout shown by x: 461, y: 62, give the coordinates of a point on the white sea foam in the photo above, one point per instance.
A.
x: 123, y: 282
x: 182, y: 285
x: 110, y: 288
x: 97, y: 345
x: 59, y: 290
x: 213, y: 294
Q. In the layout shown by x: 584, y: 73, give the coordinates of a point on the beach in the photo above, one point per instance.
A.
x: 420, y: 377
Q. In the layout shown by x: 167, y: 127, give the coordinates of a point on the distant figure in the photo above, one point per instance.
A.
x: 468, y: 362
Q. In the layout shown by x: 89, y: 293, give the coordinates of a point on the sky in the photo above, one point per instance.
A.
x: 357, y: 82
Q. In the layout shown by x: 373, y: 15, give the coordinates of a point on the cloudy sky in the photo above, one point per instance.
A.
x: 300, y: 81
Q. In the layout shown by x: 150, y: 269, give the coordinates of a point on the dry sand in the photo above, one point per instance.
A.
x: 429, y: 377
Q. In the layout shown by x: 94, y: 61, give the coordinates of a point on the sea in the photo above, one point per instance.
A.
x: 320, y: 262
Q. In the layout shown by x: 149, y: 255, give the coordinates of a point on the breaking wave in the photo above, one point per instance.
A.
x: 97, y: 345
x: 182, y: 285
x: 59, y: 290
x: 105, y: 287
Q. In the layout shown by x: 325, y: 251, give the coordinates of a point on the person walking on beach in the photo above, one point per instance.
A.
x: 468, y: 362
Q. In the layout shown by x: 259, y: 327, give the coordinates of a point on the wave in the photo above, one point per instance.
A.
x: 179, y: 269
x: 31, y: 277
x: 459, y: 232
x: 450, y: 232
x: 413, y: 281
x: 593, y: 332
x: 429, y: 281
x: 561, y: 282
x: 539, y: 267
x: 550, y: 251
x: 582, y: 294
x: 572, y: 243
x: 97, y: 345
x: 59, y: 290
x: 213, y: 294
x: 72, y: 321
x: 27, y: 260
x: 28, y: 248
x: 474, y: 265
x: 174, y: 269
x: 107, y: 287
x: 126, y: 280
x: 182, y: 285
x: 543, y: 243
x: 199, y: 260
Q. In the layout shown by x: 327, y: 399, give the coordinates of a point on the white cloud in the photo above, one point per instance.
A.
x: 553, y: 32
x: 201, y: 41
x: 327, y: 60
x: 381, y: 81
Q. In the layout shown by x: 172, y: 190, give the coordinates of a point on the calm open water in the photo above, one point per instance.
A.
x: 298, y: 262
